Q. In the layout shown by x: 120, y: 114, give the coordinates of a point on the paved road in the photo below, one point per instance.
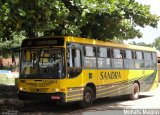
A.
x: 149, y: 100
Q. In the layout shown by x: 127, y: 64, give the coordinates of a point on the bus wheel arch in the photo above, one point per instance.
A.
x: 93, y: 87
x: 138, y: 84
x: 135, y: 89
x: 88, y: 95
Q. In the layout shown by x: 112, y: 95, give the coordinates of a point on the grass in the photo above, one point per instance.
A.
x: 7, y: 81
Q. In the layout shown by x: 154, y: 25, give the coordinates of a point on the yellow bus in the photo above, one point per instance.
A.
x: 67, y: 69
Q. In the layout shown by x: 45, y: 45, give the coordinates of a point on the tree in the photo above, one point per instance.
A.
x: 6, y: 45
x: 156, y: 43
x: 141, y: 44
x: 100, y: 19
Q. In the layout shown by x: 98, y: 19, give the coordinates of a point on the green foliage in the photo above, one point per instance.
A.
x: 156, y: 43
x: 6, y: 45
x: 141, y: 44
x: 100, y: 19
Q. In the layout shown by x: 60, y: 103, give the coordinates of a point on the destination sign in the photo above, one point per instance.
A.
x: 43, y: 42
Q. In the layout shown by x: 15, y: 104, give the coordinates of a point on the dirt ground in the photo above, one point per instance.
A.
x: 9, y: 103
x: 8, y: 98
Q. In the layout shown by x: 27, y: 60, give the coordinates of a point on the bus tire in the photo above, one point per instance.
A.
x: 88, y: 97
x: 135, y: 92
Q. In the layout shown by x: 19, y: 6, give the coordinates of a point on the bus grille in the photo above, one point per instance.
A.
x: 33, y: 84
x: 44, y: 84
x: 39, y: 84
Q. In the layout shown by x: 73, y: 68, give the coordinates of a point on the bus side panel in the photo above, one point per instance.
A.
x: 110, y: 83
x: 151, y: 80
x: 146, y: 79
x: 156, y: 83
x: 90, y: 76
x: 131, y: 77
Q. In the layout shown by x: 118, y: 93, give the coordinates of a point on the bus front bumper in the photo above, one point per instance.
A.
x: 57, y: 97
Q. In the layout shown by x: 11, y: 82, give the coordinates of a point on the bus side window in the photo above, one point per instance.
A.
x: 147, y: 60
x: 74, y: 62
x: 139, y: 63
x: 74, y: 58
x: 117, y: 61
x: 117, y: 53
x: 69, y: 58
x: 128, y: 59
x: 77, y: 58
x: 89, y: 56
x: 103, y: 57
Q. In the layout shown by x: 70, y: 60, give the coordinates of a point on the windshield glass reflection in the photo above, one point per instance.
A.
x: 42, y: 63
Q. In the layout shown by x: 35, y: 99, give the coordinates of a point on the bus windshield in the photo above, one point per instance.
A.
x: 42, y: 63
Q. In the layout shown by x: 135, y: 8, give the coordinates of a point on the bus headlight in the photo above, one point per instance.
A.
x: 56, y: 89
x: 21, y: 88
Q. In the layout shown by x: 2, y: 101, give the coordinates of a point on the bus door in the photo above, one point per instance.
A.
x: 74, y: 66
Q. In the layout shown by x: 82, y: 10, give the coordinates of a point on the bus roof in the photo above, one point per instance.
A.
x: 98, y: 42
x: 107, y: 43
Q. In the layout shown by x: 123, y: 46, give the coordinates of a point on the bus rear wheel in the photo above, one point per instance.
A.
x: 135, y: 92
x: 88, y: 97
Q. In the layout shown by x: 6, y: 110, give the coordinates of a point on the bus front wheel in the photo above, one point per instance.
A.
x: 135, y: 92
x: 87, y: 97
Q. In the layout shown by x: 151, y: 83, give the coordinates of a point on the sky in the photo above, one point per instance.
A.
x: 149, y: 33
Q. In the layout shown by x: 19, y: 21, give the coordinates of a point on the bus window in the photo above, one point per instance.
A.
x: 74, y: 62
x: 77, y: 59
x: 89, y: 57
x: 128, y: 59
x: 103, y: 60
x: 147, y: 59
x: 117, y: 61
x: 128, y: 54
x: 117, y: 53
x: 102, y: 52
x: 139, y: 55
x: 139, y: 63
x: 69, y: 58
